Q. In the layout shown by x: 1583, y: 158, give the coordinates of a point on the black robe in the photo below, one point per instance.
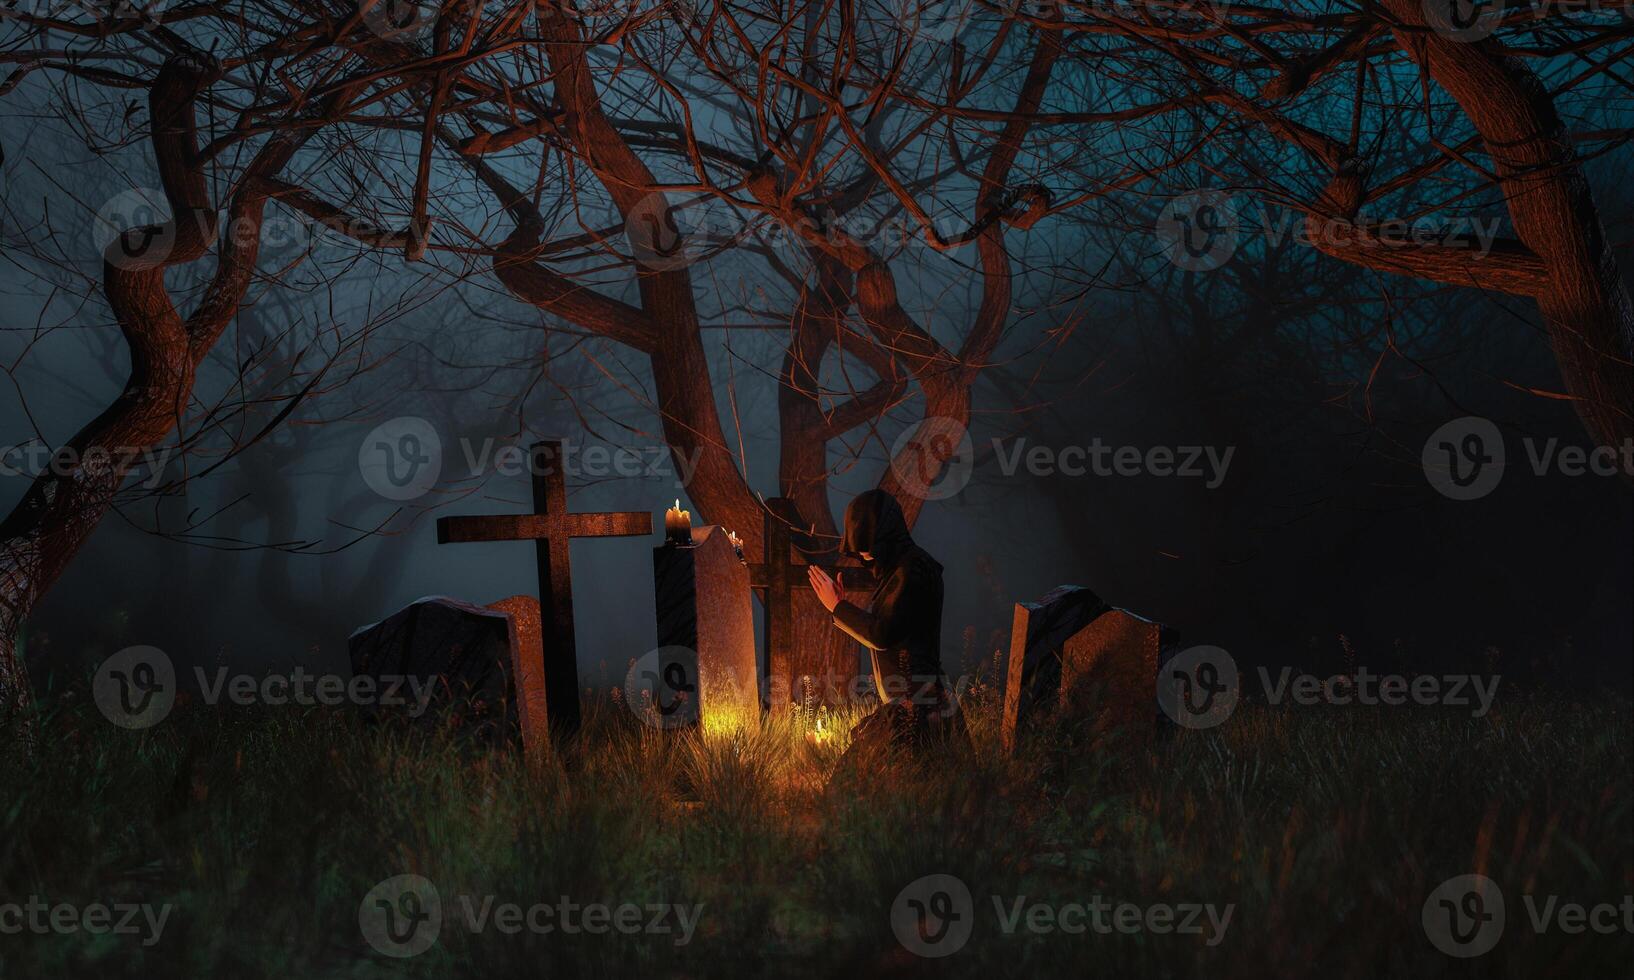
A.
x: 902, y: 626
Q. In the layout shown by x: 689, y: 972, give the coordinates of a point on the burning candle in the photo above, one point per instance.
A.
x: 677, y: 525
x: 737, y: 543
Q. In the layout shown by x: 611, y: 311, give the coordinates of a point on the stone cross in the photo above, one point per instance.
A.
x: 776, y: 579
x: 551, y: 527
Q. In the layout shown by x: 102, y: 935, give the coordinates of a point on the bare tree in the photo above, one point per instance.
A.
x: 833, y: 196
x: 1392, y: 114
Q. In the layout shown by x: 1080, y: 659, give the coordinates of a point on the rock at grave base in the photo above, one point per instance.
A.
x: 1073, y: 652
x: 460, y: 658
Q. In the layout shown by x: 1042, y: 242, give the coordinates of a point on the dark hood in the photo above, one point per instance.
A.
x: 874, y: 523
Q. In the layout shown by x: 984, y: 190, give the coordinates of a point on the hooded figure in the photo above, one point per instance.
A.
x: 902, y: 626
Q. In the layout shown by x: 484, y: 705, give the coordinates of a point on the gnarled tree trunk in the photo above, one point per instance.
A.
x: 63, y: 506
x: 1582, y: 298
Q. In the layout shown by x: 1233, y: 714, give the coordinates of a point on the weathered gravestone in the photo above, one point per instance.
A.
x: 1073, y: 651
x: 706, y: 670
x: 472, y: 664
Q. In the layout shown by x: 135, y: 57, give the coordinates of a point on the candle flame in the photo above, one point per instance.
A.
x: 820, y: 732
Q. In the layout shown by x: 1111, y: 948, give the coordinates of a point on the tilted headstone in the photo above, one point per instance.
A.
x: 462, y: 656
x: 1111, y: 667
x: 706, y: 634
x: 1070, y: 645
x: 528, y: 671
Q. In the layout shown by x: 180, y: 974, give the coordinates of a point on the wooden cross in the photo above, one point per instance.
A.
x: 776, y: 579
x: 551, y: 528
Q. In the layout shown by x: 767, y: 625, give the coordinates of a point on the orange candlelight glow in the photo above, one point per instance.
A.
x: 678, y: 525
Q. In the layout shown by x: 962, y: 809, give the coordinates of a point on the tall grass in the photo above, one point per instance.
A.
x: 1325, y: 828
